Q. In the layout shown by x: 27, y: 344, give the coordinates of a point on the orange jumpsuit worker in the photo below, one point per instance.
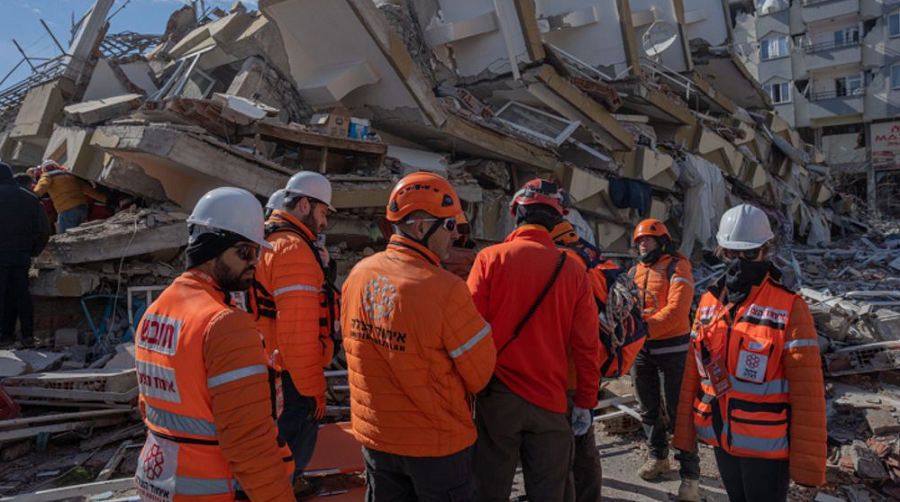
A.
x: 202, y: 375
x: 290, y: 280
x: 664, y: 277
x: 753, y: 386
x: 417, y: 350
x: 541, y: 308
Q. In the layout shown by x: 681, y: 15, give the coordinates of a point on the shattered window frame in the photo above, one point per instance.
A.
x: 895, y: 76
x: 187, y: 66
x: 566, y: 129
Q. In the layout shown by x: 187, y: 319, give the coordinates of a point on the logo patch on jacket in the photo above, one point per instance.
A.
x: 159, y: 334
x: 752, y: 366
x: 155, y: 476
x: 378, y: 301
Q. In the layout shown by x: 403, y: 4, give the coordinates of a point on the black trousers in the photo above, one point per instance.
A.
x: 657, y: 376
x: 586, y: 482
x: 753, y: 479
x: 400, y: 478
x: 296, y: 425
x: 15, y: 301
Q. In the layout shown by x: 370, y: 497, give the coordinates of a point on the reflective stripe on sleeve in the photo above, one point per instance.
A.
x: 682, y: 279
x: 794, y: 344
x: 201, y: 486
x: 180, y: 423
x: 295, y: 287
x: 230, y: 376
x: 707, y: 433
x: 462, y: 349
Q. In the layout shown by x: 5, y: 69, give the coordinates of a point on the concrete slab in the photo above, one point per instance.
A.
x: 187, y: 165
x: 70, y: 146
x: 101, y: 110
x: 41, y: 108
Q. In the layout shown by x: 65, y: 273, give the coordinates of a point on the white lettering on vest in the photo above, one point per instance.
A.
x: 158, y: 381
x: 159, y: 334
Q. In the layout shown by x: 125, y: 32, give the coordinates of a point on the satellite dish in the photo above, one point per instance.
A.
x: 659, y: 37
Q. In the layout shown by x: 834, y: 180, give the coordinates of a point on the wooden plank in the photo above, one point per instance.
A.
x: 59, y: 417
x: 70, y: 426
x: 112, y: 485
x: 72, y: 395
x: 307, y: 138
x: 114, y: 462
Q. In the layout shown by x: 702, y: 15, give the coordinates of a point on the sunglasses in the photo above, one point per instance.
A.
x: 747, y: 255
x: 449, y: 224
x: 248, y: 252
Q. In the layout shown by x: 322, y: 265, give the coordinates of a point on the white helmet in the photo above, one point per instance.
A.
x: 231, y: 209
x: 312, y: 185
x: 276, y: 201
x: 744, y: 227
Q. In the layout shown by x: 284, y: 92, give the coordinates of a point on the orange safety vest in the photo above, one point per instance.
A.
x: 181, y: 460
x: 751, y: 418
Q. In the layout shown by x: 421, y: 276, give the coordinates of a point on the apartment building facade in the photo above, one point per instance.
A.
x: 832, y: 70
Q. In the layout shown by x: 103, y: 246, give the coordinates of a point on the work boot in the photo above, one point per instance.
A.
x: 689, y: 491
x: 653, y: 468
x: 306, y: 488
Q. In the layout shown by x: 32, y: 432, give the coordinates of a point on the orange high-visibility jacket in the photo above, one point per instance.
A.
x: 667, y: 291
x: 776, y: 405
x: 290, y: 278
x: 205, y: 396
x: 66, y: 190
x: 417, y: 349
x: 505, y: 281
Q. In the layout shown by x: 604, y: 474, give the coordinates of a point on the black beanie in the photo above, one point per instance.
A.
x: 210, y: 245
x: 5, y: 172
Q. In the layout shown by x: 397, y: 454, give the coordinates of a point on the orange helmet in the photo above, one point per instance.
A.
x: 651, y: 227
x: 423, y: 191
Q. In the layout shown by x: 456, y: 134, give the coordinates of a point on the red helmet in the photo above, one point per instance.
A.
x: 653, y: 228
x: 539, y: 191
x: 423, y: 191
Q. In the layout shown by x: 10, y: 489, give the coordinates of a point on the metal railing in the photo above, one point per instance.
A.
x: 807, y: 3
x: 837, y: 94
x: 829, y: 46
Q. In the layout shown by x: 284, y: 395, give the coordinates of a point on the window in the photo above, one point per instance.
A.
x: 779, y: 92
x: 846, y: 37
x: 895, y: 77
x: 848, y: 86
x: 894, y: 24
x: 772, y: 48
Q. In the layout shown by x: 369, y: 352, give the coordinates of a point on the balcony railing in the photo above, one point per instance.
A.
x: 829, y: 46
x: 807, y: 3
x: 835, y: 94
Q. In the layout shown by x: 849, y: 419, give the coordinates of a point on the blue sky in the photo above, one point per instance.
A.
x: 20, y: 20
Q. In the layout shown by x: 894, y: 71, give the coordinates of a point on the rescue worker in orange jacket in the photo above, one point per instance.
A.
x: 663, y: 276
x: 753, y: 386
x: 289, y: 286
x: 541, y: 308
x: 587, y: 470
x: 417, y: 350
x: 204, y: 382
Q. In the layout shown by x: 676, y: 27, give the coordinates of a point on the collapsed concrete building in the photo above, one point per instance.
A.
x: 642, y: 111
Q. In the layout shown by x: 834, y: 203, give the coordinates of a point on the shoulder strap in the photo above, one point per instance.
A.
x: 537, y: 303
x: 285, y: 226
x: 670, y: 271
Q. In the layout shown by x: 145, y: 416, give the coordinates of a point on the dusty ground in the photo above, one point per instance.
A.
x: 622, y: 456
